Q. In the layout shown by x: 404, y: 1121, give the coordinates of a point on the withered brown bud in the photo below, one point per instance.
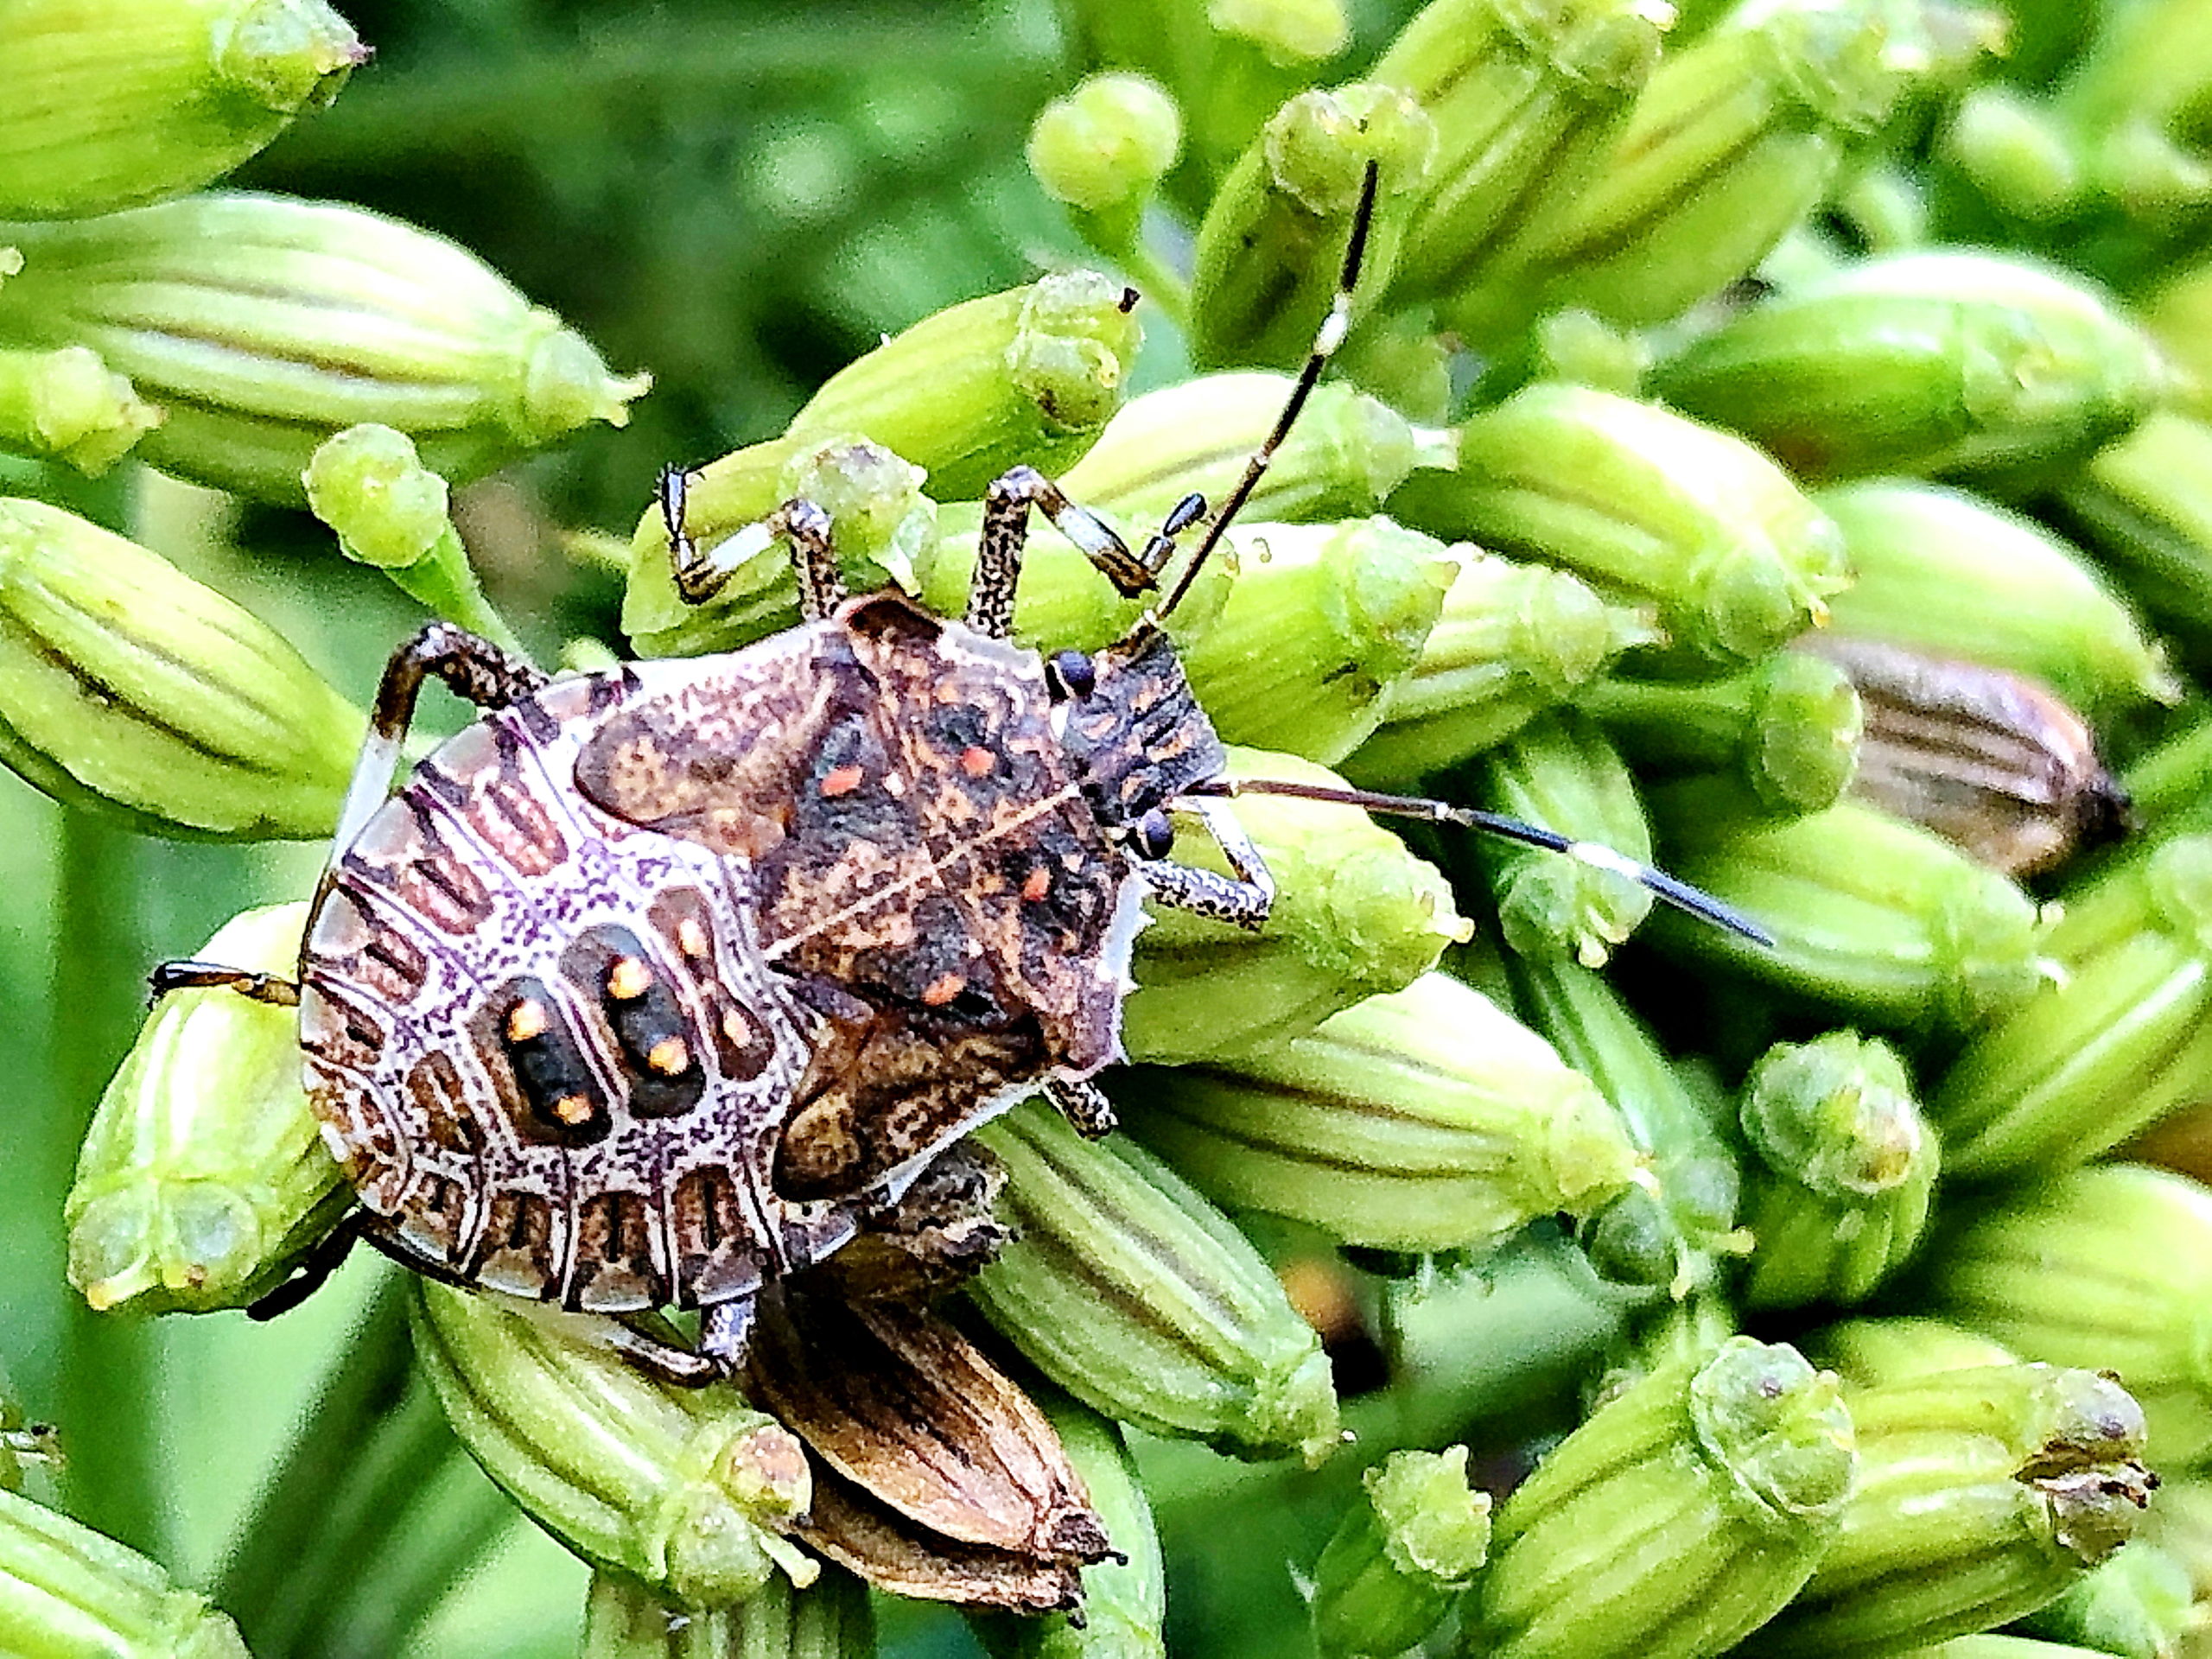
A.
x: 942, y: 1479
x: 1987, y: 758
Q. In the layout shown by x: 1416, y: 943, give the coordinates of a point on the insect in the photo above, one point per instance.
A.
x: 659, y: 984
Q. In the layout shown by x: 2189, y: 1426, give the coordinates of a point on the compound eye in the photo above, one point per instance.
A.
x: 1155, y: 836
x: 1071, y: 674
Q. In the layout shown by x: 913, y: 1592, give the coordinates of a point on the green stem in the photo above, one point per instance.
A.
x: 360, y: 1525
x: 444, y: 580
x: 107, y: 1393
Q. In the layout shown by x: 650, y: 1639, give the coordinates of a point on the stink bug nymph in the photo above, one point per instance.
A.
x: 657, y: 984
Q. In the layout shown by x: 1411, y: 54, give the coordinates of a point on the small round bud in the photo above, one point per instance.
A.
x: 1107, y: 143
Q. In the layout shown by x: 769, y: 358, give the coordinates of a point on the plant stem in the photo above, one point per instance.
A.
x: 107, y: 1364
x: 372, y: 1512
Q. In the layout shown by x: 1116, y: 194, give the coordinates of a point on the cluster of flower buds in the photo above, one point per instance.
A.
x: 1652, y: 508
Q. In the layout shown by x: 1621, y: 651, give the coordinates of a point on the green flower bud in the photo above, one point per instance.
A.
x: 1526, y: 100
x: 1786, y: 730
x: 1869, y: 1352
x: 1103, y: 149
x: 1270, y: 253
x: 1844, y: 1170
x: 1355, y: 915
x: 1124, y: 1601
x: 203, y: 1177
x: 2142, y: 507
x: 1402, y: 1555
x: 2112, y: 1043
x: 830, y: 1619
x: 388, y: 509
x: 1988, y: 1646
x: 2180, y: 1523
x: 1343, y: 458
x: 1955, y: 576
x: 880, y: 526
x: 262, y: 325
x: 1981, y: 1495
x: 1428, y: 1119
x: 1940, y: 362
x: 1026, y: 377
x: 132, y: 100
x: 1868, y: 913
x: 1677, y: 1519
x: 1732, y: 144
x: 128, y: 687
x: 1638, y: 500
x: 2109, y: 1266
x: 1136, y: 1295
x: 2167, y: 786
x: 1512, y: 641
x: 1322, y: 621
x: 67, y: 1590
x: 1560, y: 772
x: 2015, y: 151
x: 1667, y: 1231
x: 2137, y: 1605
x: 66, y: 405
x: 1688, y: 1332
x: 683, y: 1489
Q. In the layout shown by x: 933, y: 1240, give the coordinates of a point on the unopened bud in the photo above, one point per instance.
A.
x: 1026, y: 377
x: 1406, y: 1549
x: 1511, y: 641
x: 1981, y: 1494
x: 66, y: 405
x: 1270, y: 253
x: 127, y: 686
x: 203, y: 1177
x: 880, y: 526
x: 1474, y: 1128
x: 1867, y: 1352
x: 1956, y: 577
x: 1844, y: 1169
x: 1526, y: 101
x: 2144, y: 507
x: 1739, y: 1463
x: 65, y: 1589
x: 129, y: 101
x: 1732, y: 141
x: 1355, y: 914
x: 1132, y: 1292
x: 1787, y: 730
x: 2109, y: 1266
x: 684, y: 1489
x: 1673, y: 1231
x: 1323, y: 620
x: 1947, y: 363
x: 262, y: 325
x: 1640, y: 500
x: 2110, y: 1044
x: 1867, y: 911
x: 1104, y: 148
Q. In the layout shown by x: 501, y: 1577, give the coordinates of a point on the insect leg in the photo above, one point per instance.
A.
x: 1243, y: 898
x: 700, y: 575
x: 1082, y: 1105
x: 314, y: 1269
x: 656, y: 1355
x: 1006, y: 532
x: 724, y: 1330
x: 187, y: 975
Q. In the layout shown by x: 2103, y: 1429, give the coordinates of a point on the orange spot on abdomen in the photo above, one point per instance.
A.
x: 842, y: 780
x: 942, y: 989
x: 976, y: 761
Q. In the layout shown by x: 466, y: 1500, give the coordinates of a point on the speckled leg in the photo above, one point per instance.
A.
x: 1006, y: 534
x: 701, y: 573
x: 1084, y: 1105
x: 1244, y: 898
